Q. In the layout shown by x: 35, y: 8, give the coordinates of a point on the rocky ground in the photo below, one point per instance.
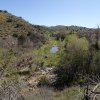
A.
x: 43, y: 77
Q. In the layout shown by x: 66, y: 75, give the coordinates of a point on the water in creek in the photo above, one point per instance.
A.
x: 54, y: 49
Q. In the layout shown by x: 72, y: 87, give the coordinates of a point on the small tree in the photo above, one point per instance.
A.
x: 73, y: 63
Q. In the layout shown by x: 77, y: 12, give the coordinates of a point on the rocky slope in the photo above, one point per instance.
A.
x: 15, y: 32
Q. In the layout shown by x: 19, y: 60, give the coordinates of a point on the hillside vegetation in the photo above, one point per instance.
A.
x: 15, y: 32
x: 29, y: 70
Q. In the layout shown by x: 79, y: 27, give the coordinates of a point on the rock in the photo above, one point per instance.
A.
x: 51, y: 79
x: 49, y: 69
x: 43, y: 72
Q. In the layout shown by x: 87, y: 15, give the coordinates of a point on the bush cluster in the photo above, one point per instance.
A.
x: 78, y: 59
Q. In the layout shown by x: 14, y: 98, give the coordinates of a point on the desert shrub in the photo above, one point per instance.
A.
x: 1, y: 11
x: 15, y: 35
x: 9, y: 20
x: 60, y: 36
x: 43, y: 81
x: 29, y: 33
x: 21, y: 40
x: 5, y: 11
x: 72, y: 93
x: 42, y: 93
x: 24, y: 72
x: 17, y: 25
x: 96, y: 62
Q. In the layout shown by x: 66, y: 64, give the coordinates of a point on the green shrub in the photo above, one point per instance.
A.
x: 21, y: 40
x: 27, y: 72
x: 5, y: 11
x: 76, y: 61
x: 15, y: 35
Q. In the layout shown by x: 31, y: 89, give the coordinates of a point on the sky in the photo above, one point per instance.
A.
x: 84, y: 13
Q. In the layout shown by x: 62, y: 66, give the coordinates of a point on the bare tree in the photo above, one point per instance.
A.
x: 91, y: 94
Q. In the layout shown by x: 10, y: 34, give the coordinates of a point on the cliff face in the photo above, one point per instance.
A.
x: 15, y: 32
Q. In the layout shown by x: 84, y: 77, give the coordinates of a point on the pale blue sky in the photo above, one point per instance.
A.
x: 55, y: 12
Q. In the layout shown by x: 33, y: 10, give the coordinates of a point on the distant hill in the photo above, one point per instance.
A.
x: 67, y: 29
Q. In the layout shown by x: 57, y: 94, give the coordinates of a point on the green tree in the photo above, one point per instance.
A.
x: 74, y: 60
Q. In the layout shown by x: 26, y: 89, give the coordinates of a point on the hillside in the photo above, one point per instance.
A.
x: 15, y: 32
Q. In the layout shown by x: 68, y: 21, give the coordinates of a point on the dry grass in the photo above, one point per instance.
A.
x: 44, y: 93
